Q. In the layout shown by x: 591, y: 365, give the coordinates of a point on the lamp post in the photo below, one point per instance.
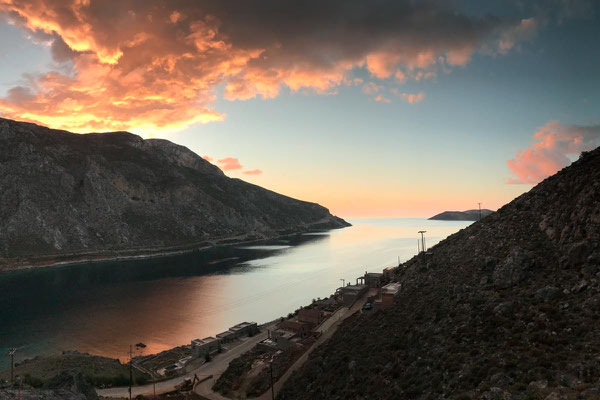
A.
x: 11, y: 353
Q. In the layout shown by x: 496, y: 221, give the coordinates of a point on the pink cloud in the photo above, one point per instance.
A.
x: 252, y: 172
x: 554, y: 144
x: 413, y: 98
x: 229, y: 163
x: 371, y: 88
x: 208, y: 158
x: 381, y: 99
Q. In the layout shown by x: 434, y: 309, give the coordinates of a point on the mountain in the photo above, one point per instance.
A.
x: 469, y: 215
x: 69, y: 197
x: 507, y: 308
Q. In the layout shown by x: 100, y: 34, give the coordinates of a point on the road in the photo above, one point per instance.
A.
x: 215, y: 367
x: 221, y: 361
x: 336, y: 320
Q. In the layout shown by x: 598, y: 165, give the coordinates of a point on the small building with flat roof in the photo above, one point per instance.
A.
x: 302, y: 329
x: 284, y: 338
x: 373, y: 279
x: 202, y: 347
x: 226, y: 336
x: 312, y: 316
x: 350, y: 293
x: 388, y: 293
x: 244, y: 329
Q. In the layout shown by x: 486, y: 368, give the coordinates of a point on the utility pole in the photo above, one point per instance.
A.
x: 272, y: 389
x: 422, y: 241
x: 130, y: 369
x: 11, y: 353
x: 479, y: 211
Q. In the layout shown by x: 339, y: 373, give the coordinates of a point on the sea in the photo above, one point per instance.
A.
x: 103, y: 308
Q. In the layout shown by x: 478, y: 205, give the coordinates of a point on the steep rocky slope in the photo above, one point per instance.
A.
x: 64, y: 195
x: 508, y: 308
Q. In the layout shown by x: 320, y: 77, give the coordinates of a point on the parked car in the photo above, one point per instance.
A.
x: 367, y: 307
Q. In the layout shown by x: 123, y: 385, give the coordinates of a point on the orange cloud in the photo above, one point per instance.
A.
x: 555, y: 143
x: 154, y: 65
x: 252, y: 172
x: 412, y: 98
x: 208, y: 158
x: 229, y: 163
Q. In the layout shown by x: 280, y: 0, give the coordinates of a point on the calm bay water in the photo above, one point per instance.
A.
x: 102, y: 308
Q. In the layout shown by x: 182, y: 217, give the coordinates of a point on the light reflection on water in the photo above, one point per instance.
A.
x: 103, y: 308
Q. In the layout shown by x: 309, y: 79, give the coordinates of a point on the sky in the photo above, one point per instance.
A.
x: 379, y: 108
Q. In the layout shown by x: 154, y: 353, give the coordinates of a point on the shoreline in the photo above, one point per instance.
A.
x: 50, y: 261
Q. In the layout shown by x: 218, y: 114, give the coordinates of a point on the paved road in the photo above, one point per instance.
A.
x: 217, y: 366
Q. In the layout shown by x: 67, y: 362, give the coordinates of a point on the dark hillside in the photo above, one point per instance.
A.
x: 508, y: 308
x: 64, y: 196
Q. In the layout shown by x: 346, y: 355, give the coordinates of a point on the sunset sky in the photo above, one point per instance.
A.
x: 375, y: 108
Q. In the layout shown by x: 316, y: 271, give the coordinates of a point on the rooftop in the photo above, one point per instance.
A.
x: 391, y: 288
x: 353, y: 288
x: 285, y: 334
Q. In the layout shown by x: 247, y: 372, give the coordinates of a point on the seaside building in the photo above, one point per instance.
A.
x: 301, y: 329
x: 202, y: 347
x: 244, y: 329
x: 226, y: 336
x: 388, y: 272
x: 284, y: 339
x: 388, y: 292
x: 371, y: 279
x: 311, y: 316
x: 352, y: 292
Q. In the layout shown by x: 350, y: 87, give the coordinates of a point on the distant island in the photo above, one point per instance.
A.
x: 469, y: 215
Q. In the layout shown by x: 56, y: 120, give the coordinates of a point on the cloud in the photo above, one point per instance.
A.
x: 371, y: 88
x: 229, y: 163
x: 524, y: 31
x: 252, y: 172
x: 207, y: 158
x: 413, y: 98
x: 382, y: 99
x: 155, y: 65
x: 554, y: 144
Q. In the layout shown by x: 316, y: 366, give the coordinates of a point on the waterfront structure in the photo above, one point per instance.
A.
x: 350, y: 293
x: 202, y: 347
x: 312, y: 316
x: 371, y: 279
x: 226, y: 336
x: 284, y: 338
x: 244, y: 329
x: 388, y: 292
x: 302, y: 329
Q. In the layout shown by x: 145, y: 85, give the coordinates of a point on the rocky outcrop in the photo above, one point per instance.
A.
x: 469, y: 215
x: 65, y: 196
x: 507, y: 308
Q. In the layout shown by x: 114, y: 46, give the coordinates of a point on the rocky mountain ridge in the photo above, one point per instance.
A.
x: 68, y: 197
x: 505, y: 309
